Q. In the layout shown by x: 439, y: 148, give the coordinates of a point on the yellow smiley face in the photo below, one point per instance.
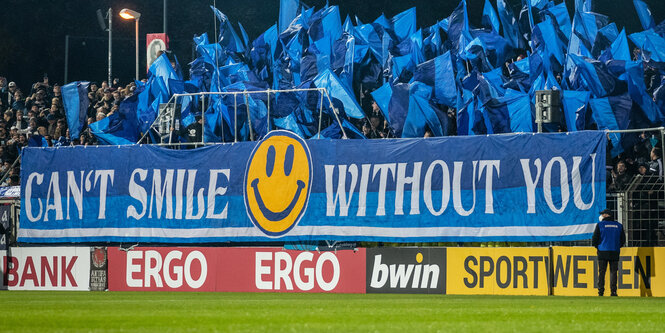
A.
x: 277, y: 182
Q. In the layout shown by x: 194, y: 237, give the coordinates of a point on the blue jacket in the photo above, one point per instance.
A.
x: 609, y: 236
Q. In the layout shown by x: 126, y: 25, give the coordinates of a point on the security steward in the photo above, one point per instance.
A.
x: 608, y: 238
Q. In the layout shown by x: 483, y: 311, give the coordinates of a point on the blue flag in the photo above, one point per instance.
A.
x: 560, y: 13
x: 651, y: 44
x: 120, y: 127
x: 619, y: 49
x: 404, y: 24
x: 76, y: 102
x: 421, y: 114
x: 439, y: 74
x: 638, y: 92
x: 490, y: 20
x: 337, y: 90
x: 509, y: 23
x: 37, y: 140
x: 583, y: 5
x: 644, y: 13
x: 458, y: 23
x: 509, y: 113
x: 596, y: 75
x: 393, y: 100
x: 575, y: 109
x: 228, y: 37
x: 288, y: 10
x: 162, y: 68
x: 612, y: 113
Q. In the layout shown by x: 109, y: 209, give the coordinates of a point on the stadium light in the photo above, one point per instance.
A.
x: 129, y: 14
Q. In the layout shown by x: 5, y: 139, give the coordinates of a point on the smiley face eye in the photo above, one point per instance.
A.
x: 270, y: 160
x: 288, y: 160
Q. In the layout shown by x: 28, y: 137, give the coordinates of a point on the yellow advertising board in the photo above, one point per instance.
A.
x: 497, y: 271
x: 641, y: 272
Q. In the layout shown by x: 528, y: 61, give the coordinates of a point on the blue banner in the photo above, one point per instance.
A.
x: 517, y: 187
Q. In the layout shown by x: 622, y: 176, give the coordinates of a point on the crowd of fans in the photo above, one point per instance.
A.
x: 38, y: 116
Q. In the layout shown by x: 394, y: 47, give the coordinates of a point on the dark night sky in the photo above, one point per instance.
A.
x: 32, y: 32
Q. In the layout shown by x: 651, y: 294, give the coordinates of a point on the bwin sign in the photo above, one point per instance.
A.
x: 400, y: 270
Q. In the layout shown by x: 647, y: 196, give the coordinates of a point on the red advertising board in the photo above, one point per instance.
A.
x: 163, y: 268
x: 236, y: 270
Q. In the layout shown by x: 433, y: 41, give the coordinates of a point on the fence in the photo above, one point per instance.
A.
x: 167, y: 121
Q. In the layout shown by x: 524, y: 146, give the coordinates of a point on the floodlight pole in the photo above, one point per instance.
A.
x: 137, y: 48
x: 66, y: 57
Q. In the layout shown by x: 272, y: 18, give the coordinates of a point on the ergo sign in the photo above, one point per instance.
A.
x: 171, y: 269
x: 158, y: 269
x: 303, y: 271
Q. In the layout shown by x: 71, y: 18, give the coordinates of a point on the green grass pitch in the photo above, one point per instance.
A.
x: 41, y: 311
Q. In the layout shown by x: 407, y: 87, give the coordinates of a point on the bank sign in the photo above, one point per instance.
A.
x: 522, y: 187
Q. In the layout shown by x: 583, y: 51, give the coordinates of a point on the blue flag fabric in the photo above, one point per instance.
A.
x: 76, y: 102
x: 651, y: 44
x: 619, y: 49
x: 644, y: 13
x: 458, y: 23
x: 337, y: 90
x: 120, y: 127
x: 288, y: 10
x: 490, y: 19
x: 595, y: 73
x: 439, y: 74
x: 583, y: 5
x: 612, y: 113
x: 393, y: 100
x: 421, y: 114
x: 162, y: 68
x: 509, y: 23
x: 404, y: 24
x: 638, y: 92
x: 509, y: 113
x: 562, y: 17
x: 228, y: 37
x: 37, y: 140
x: 575, y: 109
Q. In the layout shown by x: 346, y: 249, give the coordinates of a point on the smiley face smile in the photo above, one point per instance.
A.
x: 269, y: 214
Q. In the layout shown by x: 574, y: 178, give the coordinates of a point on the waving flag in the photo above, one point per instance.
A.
x: 575, y: 109
x: 490, y: 19
x: 651, y: 44
x: 394, y: 104
x: 509, y: 23
x: 595, y: 73
x: 612, y: 113
x: 336, y: 89
x: 228, y: 37
x: 439, y: 74
x: 422, y: 114
x: 76, y: 102
x: 288, y: 10
x: 644, y: 13
x: 404, y: 24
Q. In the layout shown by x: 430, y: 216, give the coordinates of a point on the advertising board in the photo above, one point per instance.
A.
x: 45, y: 268
x: 406, y: 270
x: 497, y: 271
x: 575, y: 272
x: 236, y: 270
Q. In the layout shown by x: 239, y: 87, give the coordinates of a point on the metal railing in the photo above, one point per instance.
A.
x: 209, y: 96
